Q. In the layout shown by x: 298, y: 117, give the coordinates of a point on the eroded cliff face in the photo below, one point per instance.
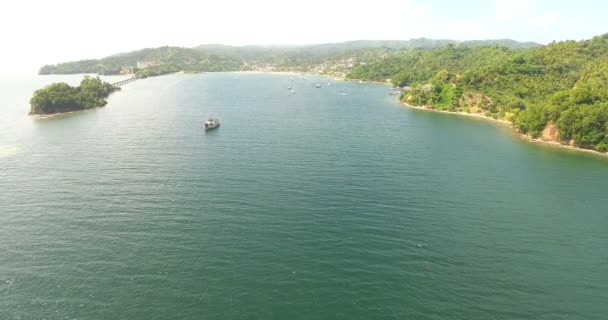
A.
x: 550, y: 133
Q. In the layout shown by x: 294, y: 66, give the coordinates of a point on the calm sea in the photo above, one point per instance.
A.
x: 330, y: 203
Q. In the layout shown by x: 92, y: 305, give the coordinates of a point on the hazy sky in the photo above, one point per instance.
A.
x: 39, y: 32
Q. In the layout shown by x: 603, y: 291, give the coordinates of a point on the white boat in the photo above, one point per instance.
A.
x: 212, y: 123
x: 293, y: 91
x: 318, y: 85
x: 395, y: 91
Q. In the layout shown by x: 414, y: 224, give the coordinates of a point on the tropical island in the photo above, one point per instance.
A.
x: 556, y: 92
x: 61, y: 97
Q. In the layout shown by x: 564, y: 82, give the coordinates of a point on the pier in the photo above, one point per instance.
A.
x: 123, y: 82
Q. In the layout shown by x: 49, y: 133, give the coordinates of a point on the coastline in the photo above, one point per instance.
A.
x: 460, y: 113
x: 364, y: 81
x: 295, y: 73
x: 259, y: 71
x: 424, y: 108
x: 510, y: 125
x: 58, y: 114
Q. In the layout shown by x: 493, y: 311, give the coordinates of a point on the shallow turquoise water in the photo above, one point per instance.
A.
x: 308, y: 206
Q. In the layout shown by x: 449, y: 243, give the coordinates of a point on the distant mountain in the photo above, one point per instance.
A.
x: 424, y: 43
x: 217, y: 57
x: 420, y: 43
x: 150, y: 62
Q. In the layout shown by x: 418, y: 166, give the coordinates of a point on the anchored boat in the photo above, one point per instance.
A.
x: 395, y: 91
x: 212, y: 123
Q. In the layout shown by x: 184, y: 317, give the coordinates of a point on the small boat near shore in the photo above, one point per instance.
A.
x: 395, y: 91
x: 318, y: 85
x: 212, y: 123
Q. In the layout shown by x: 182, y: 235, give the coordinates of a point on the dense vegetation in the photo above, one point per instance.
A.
x: 61, y: 97
x: 311, y: 58
x: 160, y: 61
x: 560, y: 86
x: 556, y: 91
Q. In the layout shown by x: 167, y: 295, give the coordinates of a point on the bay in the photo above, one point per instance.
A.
x: 313, y: 205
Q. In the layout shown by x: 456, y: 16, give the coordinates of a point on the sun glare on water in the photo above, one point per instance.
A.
x: 8, y: 150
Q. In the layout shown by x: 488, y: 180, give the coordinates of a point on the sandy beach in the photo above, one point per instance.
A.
x: 60, y: 114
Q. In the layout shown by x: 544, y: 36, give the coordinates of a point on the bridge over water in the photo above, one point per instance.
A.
x: 123, y: 82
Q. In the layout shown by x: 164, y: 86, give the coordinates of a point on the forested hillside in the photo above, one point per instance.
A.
x: 558, y: 91
x: 159, y: 61
x: 332, y: 58
x: 562, y: 86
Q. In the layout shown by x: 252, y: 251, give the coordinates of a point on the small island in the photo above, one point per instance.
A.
x: 61, y: 97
